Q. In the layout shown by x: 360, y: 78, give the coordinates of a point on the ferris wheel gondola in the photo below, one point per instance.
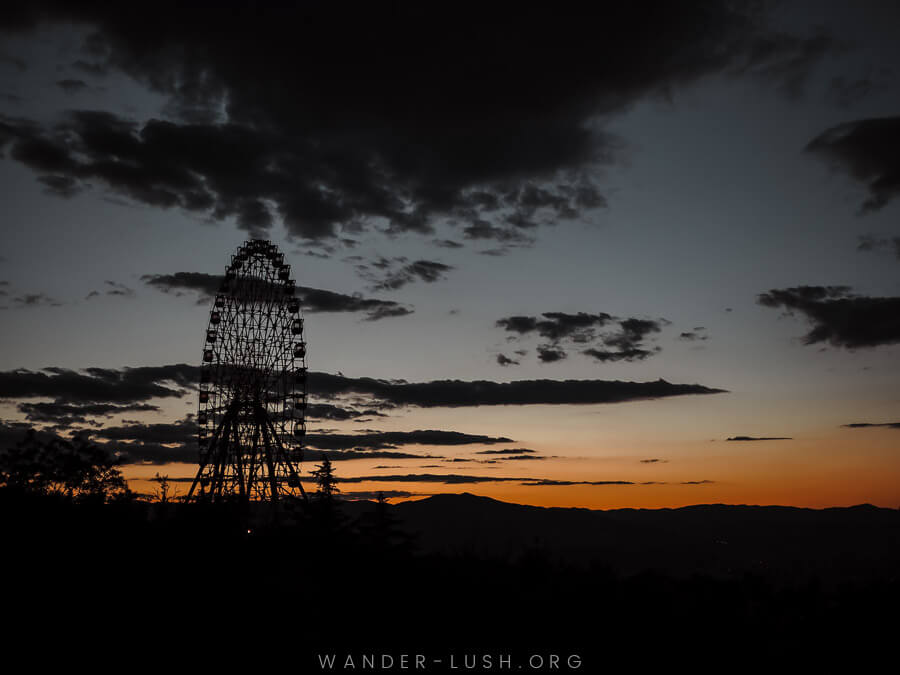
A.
x: 252, y: 398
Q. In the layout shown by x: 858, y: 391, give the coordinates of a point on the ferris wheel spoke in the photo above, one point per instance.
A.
x: 252, y: 407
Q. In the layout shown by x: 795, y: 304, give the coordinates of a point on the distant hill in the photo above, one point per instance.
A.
x: 778, y: 584
x: 716, y: 539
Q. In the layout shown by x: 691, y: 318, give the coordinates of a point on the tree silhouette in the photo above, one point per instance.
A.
x: 328, y: 518
x: 162, y: 492
x: 77, y: 470
x: 380, y: 532
x: 326, y: 481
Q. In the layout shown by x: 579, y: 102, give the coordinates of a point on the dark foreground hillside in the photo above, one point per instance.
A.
x: 711, y: 588
x: 783, y: 544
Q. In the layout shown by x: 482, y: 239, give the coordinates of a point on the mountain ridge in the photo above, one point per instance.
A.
x: 835, y: 543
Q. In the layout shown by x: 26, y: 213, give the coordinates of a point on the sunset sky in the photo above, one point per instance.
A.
x: 627, y: 239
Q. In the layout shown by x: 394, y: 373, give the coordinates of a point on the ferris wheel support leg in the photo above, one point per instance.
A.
x: 287, y: 462
x: 273, y: 479
x: 238, y: 464
x: 190, y: 494
x: 218, y: 477
x: 204, y: 458
x: 230, y: 452
x: 253, y: 461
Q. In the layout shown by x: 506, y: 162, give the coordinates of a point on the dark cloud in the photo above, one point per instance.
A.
x: 697, y: 482
x: 96, y: 69
x: 631, y: 354
x: 788, y: 61
x: 555, y: 326
x: 447, y: 479
x: 461, y: 479
x: 142, y: 443
x: 66, y: 414
x: 391, y: 439
x: 301, y: 115
x: 311, y: 299
x: 139, y: 384
x: 447, y: 243
x: 183, y: 432
x: 459, y: 393
x: 863, y: 425
x: 371, y: 495
x: 99, y: 385
x: 518, y: 324
x: 205, y: 285
x: 869, y: 150
x: 115, y: 288
x: 698, y: 334
x: 838, y: 316
x: 112, y: 288
x: 654, y: 461
x: 564, y: 330
x: 327, y: 411
x: 388, y: 274
x: 62, y: 186
x: 628, y: 343
x: 13, y: 62
x: 362, y: 453
x: 125, y: 452
x: 845, y: 92
x: 868, y: 242
x: 155, y: 454
x: 504, y: 360
x: 319, y: 300
x: 759, y: 438
x: 549, y: 354
x: 550, y: 482
x: 510, y: 236
x: 507, y: 451
x: 72, y: 86
x: 35, y: 300
x: 12, y: 433
x: 141, y: 452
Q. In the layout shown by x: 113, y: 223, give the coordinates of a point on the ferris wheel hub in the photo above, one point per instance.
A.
x: 252, y: 399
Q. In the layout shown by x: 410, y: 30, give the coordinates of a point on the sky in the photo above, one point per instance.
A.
x: 582, y: 253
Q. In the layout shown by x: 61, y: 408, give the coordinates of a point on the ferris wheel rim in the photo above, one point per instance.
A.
x: 253, y: 369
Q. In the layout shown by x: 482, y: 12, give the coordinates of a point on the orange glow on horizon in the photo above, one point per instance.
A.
x: 813, y: 473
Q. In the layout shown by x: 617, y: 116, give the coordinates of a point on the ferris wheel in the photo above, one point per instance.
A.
x: 252, y: 410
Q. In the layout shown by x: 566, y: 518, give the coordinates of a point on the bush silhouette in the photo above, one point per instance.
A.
x: 77, y: 470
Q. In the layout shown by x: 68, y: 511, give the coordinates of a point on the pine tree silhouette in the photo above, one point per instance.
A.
x: 324, y: 507
x: 326, y: 481
x: 380, y: 533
